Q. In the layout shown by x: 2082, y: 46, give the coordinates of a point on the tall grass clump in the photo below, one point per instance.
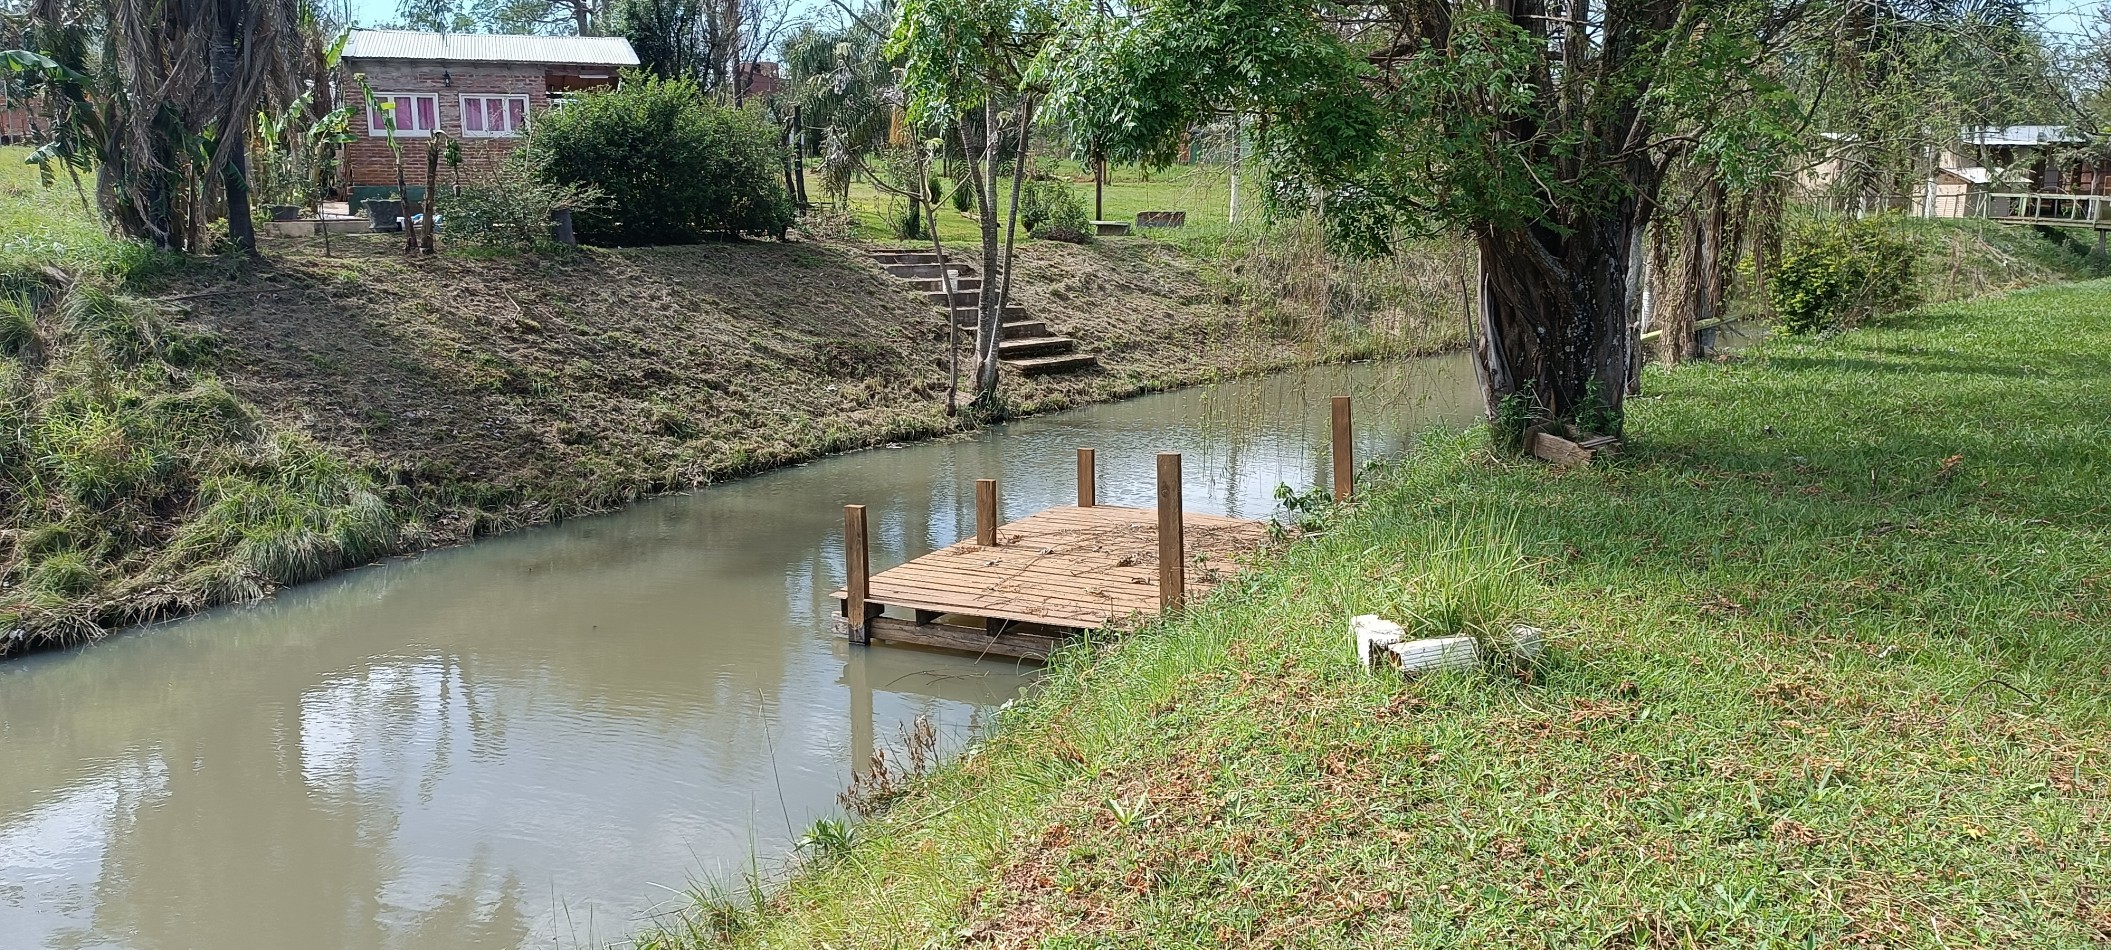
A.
x: 1288, y: 279
x: 138, y: 485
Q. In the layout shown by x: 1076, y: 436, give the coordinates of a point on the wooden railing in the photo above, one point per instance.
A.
x: 2080, y: 211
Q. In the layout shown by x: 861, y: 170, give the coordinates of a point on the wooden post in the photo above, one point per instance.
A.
x: 1172, y: 535
x: 1087, y: 478
x: 1344, y: 450
x: 986, y: 512
x: 859, y: 570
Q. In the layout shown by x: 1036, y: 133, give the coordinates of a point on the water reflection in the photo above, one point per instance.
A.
x: 535, y: 738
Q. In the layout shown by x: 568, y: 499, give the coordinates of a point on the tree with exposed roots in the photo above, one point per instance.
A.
x: 1542, y: 129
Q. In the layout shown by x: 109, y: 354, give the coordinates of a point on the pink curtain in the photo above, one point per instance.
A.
x: 472, y: 115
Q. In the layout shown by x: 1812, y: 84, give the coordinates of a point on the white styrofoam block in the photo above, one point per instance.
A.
x: 1373, y: 634
x: 1440, y: 653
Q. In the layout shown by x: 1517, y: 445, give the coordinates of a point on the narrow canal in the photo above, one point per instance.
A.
x: 540, y: 739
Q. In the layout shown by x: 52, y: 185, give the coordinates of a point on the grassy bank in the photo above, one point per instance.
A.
x: 1827, y: 664
x: 177, y: 434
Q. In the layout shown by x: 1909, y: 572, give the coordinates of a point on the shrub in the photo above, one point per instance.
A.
x: 1835, y: 273
x: 963, y: 195
x: 1053, y: 211
x: 909, y: 224
x: 509, y: 204
x: 673, y: 167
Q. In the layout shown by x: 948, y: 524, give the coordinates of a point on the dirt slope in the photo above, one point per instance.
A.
x: 527, y: 387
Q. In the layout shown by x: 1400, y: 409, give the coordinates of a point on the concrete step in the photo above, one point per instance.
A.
x: 1034, y: 346
x: 1063, y: 363
x: 928, y: 270
x: 1015, y: 330
x: 904, y: 257
x: 967, y: 315
x: 961, y: 299
x: 937, y: 284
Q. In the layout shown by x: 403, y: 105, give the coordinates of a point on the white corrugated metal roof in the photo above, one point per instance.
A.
x: 490, y: 48
x: 2022, y: 135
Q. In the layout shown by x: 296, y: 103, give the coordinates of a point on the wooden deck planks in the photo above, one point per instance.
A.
x: 1066, y: 567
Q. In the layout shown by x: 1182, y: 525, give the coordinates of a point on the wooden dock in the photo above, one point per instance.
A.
x: 1020, y: 589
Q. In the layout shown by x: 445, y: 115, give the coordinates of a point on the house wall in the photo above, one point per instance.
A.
x: 371, y: 168
x: 14, y: 120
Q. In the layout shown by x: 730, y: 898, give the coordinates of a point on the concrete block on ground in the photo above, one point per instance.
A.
x: 1438, y: 653
x: 1373, y: 634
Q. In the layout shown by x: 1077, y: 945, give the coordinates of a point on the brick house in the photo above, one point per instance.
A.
x: 482, y: 89
x: 14, y: 119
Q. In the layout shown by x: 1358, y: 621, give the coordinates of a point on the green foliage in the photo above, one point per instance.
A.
x: 909, y: 223
x: 666, y: 35
x: 510, y: 203
x: 1052, y: 210
x: 828, y: 839
x: 136, y: 485
x: 672, y: 166
x: 64, y: 574
x: 1837, y: 272
x: 963, y: 196
x: 1514, y: 417
x: 842, y: 80
x: 1596, y: 415
x: 18, y: 327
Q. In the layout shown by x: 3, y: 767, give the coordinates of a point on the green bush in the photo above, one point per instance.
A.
x: 909, y: 224
x: 672, y: 166
x: 1053, y: 211
x: 509, y: 204
x: 1835, y: 273
x: 963, y: 195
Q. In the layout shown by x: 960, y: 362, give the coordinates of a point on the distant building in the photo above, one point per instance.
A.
x: 14, y: 119
x: 757, y: 80
x: 2016, y: 159
x: 483, y: 89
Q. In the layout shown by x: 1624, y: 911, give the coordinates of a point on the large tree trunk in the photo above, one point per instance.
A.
x: 241, y: 229
x: 1556, y: 313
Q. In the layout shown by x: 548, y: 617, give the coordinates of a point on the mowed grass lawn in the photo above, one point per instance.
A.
x: 1203, y: 191
x: 1830, y: 665
x: 44, y: 225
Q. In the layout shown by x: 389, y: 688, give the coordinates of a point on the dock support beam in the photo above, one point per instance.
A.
x: 858, y: 570
x: 1087, y: 478
x: 1172, y: 535
x: 986, y: 512
x: 1344, y: 451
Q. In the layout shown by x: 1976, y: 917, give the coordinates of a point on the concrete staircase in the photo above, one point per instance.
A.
x: 1023, y: 342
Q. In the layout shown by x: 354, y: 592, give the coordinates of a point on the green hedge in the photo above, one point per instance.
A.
x: 672, y: 166
x: 1837, y: 272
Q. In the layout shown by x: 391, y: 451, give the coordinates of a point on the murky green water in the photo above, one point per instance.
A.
x: 538, y: 740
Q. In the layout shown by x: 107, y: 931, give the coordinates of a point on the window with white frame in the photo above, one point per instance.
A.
x: 416, y: 115
x: 494, y: 116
